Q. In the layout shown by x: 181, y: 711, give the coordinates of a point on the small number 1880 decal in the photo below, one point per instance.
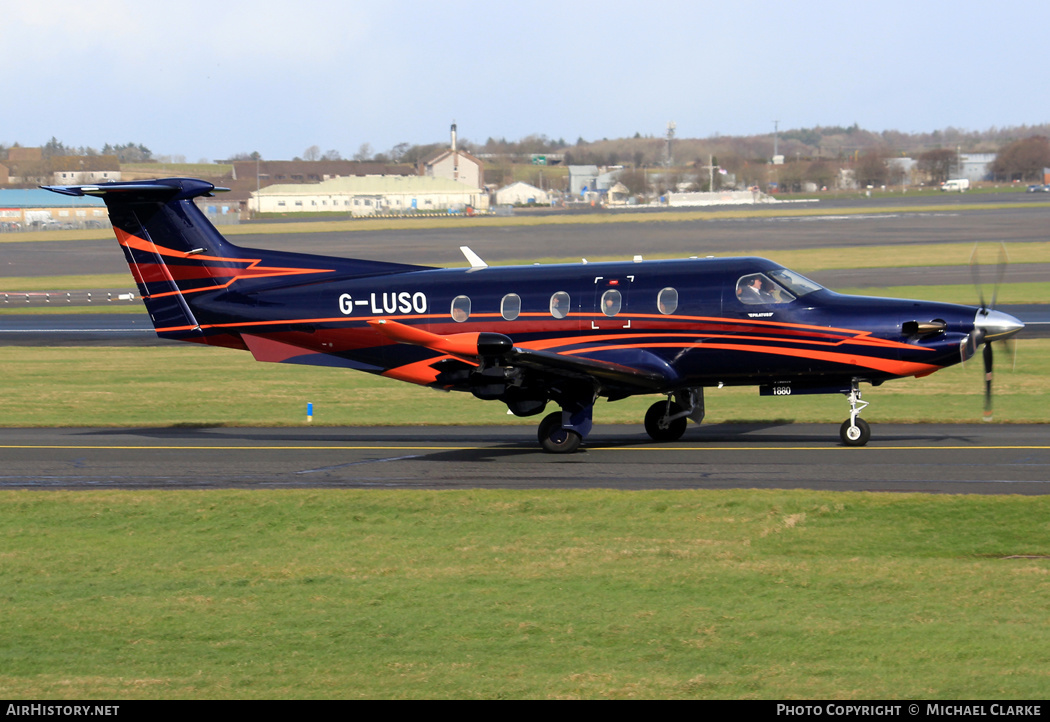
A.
x: 781, y: 390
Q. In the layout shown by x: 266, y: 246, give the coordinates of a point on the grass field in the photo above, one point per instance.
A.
x: 332, y: 593
x: 503, y: 594
x: 103, y: 386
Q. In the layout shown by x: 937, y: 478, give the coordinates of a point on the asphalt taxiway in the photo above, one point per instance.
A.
x: 922, y: 458
x: 951, y: 458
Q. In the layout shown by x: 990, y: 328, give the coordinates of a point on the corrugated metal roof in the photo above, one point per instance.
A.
x: 39, y: 198
x: 370, y: 185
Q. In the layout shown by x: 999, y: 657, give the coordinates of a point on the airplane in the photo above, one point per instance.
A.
x: 530, y: 335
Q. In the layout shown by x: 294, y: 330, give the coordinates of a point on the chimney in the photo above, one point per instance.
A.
x: 453, y: 136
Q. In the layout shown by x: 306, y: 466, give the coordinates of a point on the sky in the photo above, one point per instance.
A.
x: 207, y: 81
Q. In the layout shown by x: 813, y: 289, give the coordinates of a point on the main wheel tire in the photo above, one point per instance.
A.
x: 857, y: 435
x: 657, y: 425
x: 554, y: 439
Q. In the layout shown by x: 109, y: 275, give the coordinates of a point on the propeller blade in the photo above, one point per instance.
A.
x: 988, y: 382
x: 975, y: 273
x: 1011, y: 352
x: 1000, y: 272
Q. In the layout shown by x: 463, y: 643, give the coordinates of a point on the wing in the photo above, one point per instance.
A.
x: 628, y: 371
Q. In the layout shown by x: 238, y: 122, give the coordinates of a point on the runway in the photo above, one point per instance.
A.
x: 961, y: 459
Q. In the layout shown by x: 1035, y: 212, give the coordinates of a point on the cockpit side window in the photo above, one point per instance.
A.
x: 795, y: 283
x: 757, y: 289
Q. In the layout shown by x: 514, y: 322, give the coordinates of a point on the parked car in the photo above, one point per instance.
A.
x: 1036, y: 188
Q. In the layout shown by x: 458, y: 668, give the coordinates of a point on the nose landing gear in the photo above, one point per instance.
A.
x: 855, y: 430
x: 667, y: 420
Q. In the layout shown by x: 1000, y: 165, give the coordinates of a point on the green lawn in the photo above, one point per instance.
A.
x: 266, y: 594
x: 193, y: 385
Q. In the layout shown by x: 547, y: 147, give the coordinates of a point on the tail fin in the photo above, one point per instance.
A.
x: 165, y: 238
x: 176, y: 255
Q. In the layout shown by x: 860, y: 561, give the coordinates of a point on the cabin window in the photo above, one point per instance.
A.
x: 758, y: 289
x: 460, y: 309
x: 611, y: 301
x: 560, y: 304
x: 510, y: 306
x: 667, y: 300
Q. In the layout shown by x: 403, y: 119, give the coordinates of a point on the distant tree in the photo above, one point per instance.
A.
x: 1023, y: 159
x: 364, y: 152
x: 54, y: 147
x: 312, y: 153
x: 398, y: 151
x: 636, y: 181
x: 129, y: 152
x: 419, y: 153
x: 937, y: 164
x: 870, y: 169
x: 821, y: 172
x: 791, y: 176
x: 332, y: 155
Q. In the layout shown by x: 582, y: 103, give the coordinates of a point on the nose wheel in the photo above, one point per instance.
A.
x: 855, y: 430
x: 855, y: 433
x: 665, y: 421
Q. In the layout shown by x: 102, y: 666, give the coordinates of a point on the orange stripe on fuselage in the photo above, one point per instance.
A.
x: 891, y: 366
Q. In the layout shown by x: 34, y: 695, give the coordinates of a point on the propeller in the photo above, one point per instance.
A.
x: 990, y: 325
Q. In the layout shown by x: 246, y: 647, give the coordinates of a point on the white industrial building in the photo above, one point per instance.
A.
x: 521, y: 193
x: 369, y: 195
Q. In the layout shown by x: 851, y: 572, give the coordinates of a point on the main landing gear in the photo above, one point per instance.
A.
x: 563, y: 431
x: 855, y: 430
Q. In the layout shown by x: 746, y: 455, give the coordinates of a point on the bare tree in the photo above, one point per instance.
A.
x: 937, y: 164
x: 364, y: 152
x: 821, y: 172
x: 331, y: 155
x: 312, y: 153
x: 398, y: 151
x: 1023, y: 159
x: 870, y: 169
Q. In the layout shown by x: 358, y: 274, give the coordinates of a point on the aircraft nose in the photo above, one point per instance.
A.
x: 996, y: 325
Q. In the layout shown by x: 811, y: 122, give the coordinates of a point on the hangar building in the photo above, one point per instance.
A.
x: 370, y: 195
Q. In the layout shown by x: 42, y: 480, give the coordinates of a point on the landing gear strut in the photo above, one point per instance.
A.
x: 855, y: 430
